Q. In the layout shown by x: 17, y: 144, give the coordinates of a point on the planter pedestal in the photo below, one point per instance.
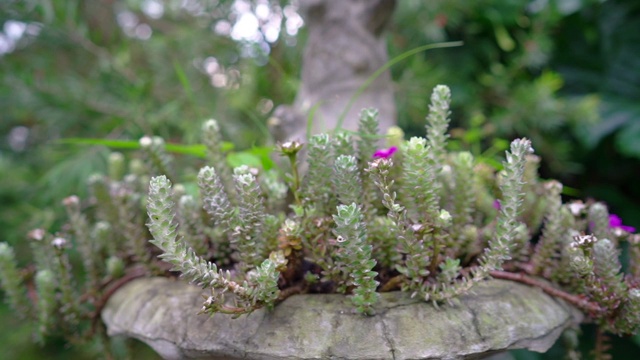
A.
x: 497, y: 316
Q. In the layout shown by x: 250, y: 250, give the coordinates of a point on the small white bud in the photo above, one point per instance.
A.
x: 72, y: 200
x: 145, y: 141
x: 576, y: 207
x: 290, y: 227
x: 211, y: 125
x: 581, y: 240
x: 445, y: 216
x: 36, y: 234
x: 59, y: 242
x: 241, y: 170
x: 157, y: 141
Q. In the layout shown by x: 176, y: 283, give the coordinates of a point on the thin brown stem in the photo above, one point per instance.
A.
x: 601, y: 346
x: 582, y: 303
x: 134, y: 273
x: 393, y: 284
x: 433, y: 267
x: 292, y: 290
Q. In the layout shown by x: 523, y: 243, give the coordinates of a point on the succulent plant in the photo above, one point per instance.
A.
x: 363, y: 219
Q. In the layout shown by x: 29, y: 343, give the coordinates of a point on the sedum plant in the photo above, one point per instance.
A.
x: 361, y: 219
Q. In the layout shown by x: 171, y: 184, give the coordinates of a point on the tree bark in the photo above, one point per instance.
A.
x: 345, y: 47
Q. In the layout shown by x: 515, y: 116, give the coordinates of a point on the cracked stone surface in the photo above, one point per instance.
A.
x: 499, y: 315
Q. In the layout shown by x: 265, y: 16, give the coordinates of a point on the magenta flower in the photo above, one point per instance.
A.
x: 497, y: 205
x: 385, y: 153
x: 615, y: 222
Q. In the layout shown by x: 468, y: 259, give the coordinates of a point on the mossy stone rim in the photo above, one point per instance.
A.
x: 497, y: 315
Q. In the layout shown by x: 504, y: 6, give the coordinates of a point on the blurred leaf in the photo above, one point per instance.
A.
x: 503, y: 38
x: 473, y: 135
x: 116, y: 144
x: 184, y: 80
x: 616, y: 113
x: 68, y: 176
x: 568, y: 7
x: 244, y: 158
x: 194, y: 150
x: 496, y: 164
x: 628, y: 139
x: 258, y: 157
x: 570, y: 191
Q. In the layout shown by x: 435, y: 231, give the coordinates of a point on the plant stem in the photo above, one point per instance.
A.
x: 296, y: 179
x: 433, y: 267
x: 584, y: 304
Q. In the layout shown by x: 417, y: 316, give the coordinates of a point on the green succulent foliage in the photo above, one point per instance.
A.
x: 503, y: 241
x: 549, y: 247
x: 415, y: 263
x: 598, y: 217
x: 163, y: 227
x: 192, y: 228
x: 505, y: 79
x: 212, y: 139
x: 11, y: 279
x: 157, y: 159
x: 419, y: 183
x: 317, y: 182
x: 355, y: 256
x: 80, y: 229
x: 343, y: 144
x: 461, y: 208
x: 629, y: 320
x: 438, y: 121
x: 432, y: 229
x: 367, y: 145
x: 47, y: 304
x: 347, y: 181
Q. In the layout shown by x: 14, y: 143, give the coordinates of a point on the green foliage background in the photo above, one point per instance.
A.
x: 564, y: 73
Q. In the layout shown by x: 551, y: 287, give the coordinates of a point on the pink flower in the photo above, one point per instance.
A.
x: 497, y: 205
x: 616, y: 222
x: 385, y: 153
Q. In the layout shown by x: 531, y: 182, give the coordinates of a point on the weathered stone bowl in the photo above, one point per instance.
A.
x: 497, y: 316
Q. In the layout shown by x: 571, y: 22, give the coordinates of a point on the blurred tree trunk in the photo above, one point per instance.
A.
x: 344, y: 48
x: 101, y: 22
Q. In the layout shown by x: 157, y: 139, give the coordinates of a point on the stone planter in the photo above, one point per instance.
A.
x: 499, y: 315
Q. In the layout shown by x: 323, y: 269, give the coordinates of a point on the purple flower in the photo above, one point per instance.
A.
x: 497, y: 205
x: 385, y: 153
x: 615, y: 222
